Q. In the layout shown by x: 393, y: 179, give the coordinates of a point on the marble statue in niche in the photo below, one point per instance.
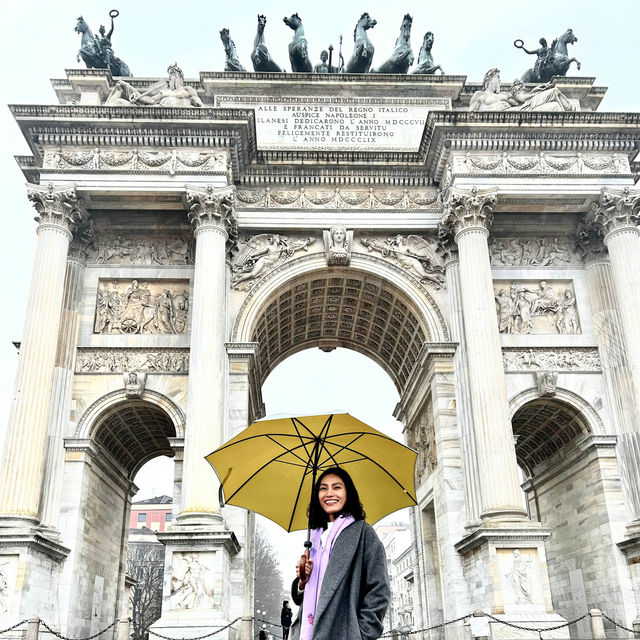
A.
x: 337, y: 245
x: 259, y: 254
x: 4, y: 587
x: 192, y: 582
x: 412, y: 253
x: 140, y: 308
x: 520, y: 309
x: 519, y: 578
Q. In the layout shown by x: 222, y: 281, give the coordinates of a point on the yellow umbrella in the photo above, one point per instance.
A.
x: 271, y: 466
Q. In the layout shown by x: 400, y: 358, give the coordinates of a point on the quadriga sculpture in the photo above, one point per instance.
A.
x: 360, y: 61
x: 260, y: 57
x: 402, y: 57
x: 425, y: 60
x: 298, y: 49
x: 232, y: 62
x: 96, y: 51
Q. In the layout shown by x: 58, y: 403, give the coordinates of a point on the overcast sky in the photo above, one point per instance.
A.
x: 38, y: 43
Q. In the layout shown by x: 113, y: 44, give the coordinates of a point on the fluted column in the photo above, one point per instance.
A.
x: 468, y: 215
x: 63, y: 374
x: 451, y: 260
x: 212, y: 216
x: 21, y: 479
x: 614, y: 219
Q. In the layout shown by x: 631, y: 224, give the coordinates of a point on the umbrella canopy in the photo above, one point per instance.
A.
x: 270, y: 467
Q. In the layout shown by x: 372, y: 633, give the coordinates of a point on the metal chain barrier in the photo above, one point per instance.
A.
x: 517, y: 626
x: 612, y: 621
x: 389, y: 634
x: 208, y: 635
x: 59, y: 635
x: 15, y: 626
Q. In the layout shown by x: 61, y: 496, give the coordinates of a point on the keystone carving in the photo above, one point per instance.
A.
x: 134, y: 383
x: 466, y: 209
x: 59, y: 206
x: 338, y: 243
x: 213, y: 206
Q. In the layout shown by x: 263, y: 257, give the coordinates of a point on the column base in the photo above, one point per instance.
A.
x: 506, y: 570
x: 31, y: 564
x: 196, y: 518
x: 198, y: 590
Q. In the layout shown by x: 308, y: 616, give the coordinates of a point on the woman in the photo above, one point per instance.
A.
x: 342, y: 586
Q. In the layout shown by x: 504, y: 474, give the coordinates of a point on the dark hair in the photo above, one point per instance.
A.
x: 352, y: 507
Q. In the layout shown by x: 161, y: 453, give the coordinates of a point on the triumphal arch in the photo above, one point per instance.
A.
x: 480, y: 242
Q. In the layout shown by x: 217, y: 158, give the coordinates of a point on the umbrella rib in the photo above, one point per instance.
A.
x: 292, y: 451
x: 342, y: 448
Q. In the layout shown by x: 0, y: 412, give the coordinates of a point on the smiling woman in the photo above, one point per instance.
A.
x: 342, y: 584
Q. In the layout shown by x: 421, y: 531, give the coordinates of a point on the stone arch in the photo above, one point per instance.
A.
x: 379, y: 310
x: 544, y: 425
x: 133, y: 431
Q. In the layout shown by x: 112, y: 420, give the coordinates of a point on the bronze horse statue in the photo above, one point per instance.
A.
x: 425, y: 60
x: 551, y: 61
x: 298, y: 49
x: 402, y: 57
x: 260, y: 56
x: 232, y: 62
x: 96, y: 51
x: 360, y: 61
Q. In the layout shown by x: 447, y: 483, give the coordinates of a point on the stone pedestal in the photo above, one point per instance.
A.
x: 197, y: 595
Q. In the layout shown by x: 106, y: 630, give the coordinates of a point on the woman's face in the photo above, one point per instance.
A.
x: 332, y: 495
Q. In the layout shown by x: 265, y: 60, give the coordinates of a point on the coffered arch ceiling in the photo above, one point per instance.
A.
x: 350, y: 309
x: 133, y: 432
x: 544, y: 426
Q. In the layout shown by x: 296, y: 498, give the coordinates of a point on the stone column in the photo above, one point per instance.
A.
x: 468, y: 214
x: 615, y: 219
x: 613, y: 354
x: 461, y: 372
x: 213, y: 218
x: 58, y: 212
x: 63, y: 374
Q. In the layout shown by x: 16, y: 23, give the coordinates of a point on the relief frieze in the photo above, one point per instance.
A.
x: 337, y: 198
x: 556, y: 359
x: 105, y: 360
x: 536, y: 307
x: 134, y: 307
x: 542, y: 163
x: 143, y: 250
x: 170, y: 161
x: 539, y: 252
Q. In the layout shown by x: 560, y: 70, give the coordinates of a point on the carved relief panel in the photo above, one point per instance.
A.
x: 422, y: 438
x: 8, y: 572
x: 536, y: 307
x: 131, y: 306
x: 193, y: 581
x: 542, y: 252
x: 520, y: 580
x: 122, y: 360
x: 146, y: 250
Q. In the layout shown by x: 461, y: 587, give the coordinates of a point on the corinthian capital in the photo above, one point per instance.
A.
x: 213, y: 206
x: 467, y: 209
x: 615, y: 209
x: 58, y: 206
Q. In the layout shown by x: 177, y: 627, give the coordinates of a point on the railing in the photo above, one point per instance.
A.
x: 244, y: 625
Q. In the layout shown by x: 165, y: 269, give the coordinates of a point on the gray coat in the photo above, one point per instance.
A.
x: 355, y: 593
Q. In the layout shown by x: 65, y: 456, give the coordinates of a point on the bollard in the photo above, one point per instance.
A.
x: 124, y: 628
x: 395, y: 634
x: 636, y: 628
x: 33, y: 628
x: 246, y: 628
x: 597, y: 625
x: 479, y: 613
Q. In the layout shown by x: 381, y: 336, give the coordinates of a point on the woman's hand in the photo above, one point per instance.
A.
x: 304, y: 567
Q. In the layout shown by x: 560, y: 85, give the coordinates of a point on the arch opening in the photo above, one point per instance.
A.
x: 542, y: 427
x: 351, y: 309
x: 133, y: 432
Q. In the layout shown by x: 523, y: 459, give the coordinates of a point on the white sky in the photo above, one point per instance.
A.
x: 38, y: 43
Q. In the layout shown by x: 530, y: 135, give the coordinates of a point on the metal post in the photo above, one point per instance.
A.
x: 597, y: 625
x: 33, y: 628
x: 124, y: 628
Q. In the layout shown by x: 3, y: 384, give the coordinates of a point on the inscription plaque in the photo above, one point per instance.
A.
x: 336, y: 124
